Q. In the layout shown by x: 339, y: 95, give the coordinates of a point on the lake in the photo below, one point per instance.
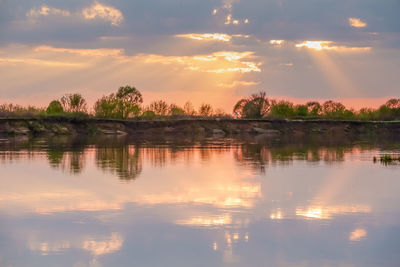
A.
x: 119, y: 201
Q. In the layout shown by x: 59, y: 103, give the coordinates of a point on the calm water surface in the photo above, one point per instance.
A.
x: 214, y: 202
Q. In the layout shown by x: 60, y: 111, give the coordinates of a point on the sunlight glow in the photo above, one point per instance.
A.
x: 228, y: 19
x: 277, y: 42
x: 328, y: 45
x: 218, y: 62
x: 83, y: 52
x: 237, y: 83
x: 357, y: 23
x: 40, y: 62
x: 207, y: 36
x: 317, y: 45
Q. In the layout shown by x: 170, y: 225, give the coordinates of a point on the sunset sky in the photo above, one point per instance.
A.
x: 208, y: 51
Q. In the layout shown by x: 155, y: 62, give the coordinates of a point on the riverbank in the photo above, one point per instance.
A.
x: 227, y: 127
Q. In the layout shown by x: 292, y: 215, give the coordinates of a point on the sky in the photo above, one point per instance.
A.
x: 209, y: 51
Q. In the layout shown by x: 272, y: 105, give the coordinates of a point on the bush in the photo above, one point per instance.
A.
x: 301, y: 111
x: 175, y: 110
x: 282, y: 109
x: 54, y: 108
x: 148, y: 115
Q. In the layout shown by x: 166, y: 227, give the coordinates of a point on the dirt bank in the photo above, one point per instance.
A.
x: 71, y: 126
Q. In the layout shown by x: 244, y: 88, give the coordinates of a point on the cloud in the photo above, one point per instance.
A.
x: 217, y: 62
x: 45, y: 10
x: 107, y: 13
x: 207, y: 36
x: 238, y: 83
x: 329, y: 45
x: 96, y: 10
x: 223, y: 37
x: 96, y: 72
x: 226, y: 11
x: 39, y: 62
x: 83, y: 52
x: 357, y: 23
x: 277, y: 43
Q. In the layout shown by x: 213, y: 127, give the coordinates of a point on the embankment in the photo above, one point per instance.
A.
x: 71, y: 126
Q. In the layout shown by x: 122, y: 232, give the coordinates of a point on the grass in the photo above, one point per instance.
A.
x: 387, y: 159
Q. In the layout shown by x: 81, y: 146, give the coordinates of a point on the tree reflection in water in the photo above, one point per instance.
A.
x: 124, y: 156
x: 66, y: 153
x: 125, y: 161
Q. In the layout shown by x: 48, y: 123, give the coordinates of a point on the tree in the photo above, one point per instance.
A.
x: 54, y: 108
x: 205, y: 110
x: 159, y: 107
x: 73, y: 103
x: 129, y: 95
x: 393, y: 103
x: 122, y: 105
x: 331, y: 108
x: 314, y: 108
x: 301, y: 110
x: 256, y: 106
x: 282, y: 109
x: 189, y: 109
x: 106, y: 107
x: 367, y: 114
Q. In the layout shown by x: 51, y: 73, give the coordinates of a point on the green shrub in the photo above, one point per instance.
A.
x: 148, y: 114
x: 282, y: 109
x: 54, y: 108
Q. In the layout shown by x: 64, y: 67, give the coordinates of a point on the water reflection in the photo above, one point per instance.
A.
x: 124, y: 161
x: 124, y: 157
x: 219, y: 202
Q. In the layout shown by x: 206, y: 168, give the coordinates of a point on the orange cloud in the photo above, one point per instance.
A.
x: 237, y: 83
x: 329, y: 45
x: 40, y: 62
x: 82, y: 52
x: 277, y: 42
x: 357, y: 23
x: 45, y: 10
x: 211, y: 36
x: 218, y: 62
x: 207, y: 36
x: 107, y: 13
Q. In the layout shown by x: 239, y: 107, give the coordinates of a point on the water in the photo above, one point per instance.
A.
x: 208, y: 202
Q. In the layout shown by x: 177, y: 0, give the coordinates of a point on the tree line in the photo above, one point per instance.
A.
x: 127, y: 103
